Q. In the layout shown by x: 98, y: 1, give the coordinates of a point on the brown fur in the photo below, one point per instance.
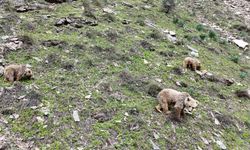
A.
x: 17, y: 72
x: 191, y: 63
x: 181, y: 101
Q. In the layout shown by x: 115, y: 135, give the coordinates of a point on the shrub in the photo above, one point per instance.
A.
x: 200, y: 27
x: 168, y: 5
x: 212, y: 35
x: 235, y: 58
x: 243, y: 75
x: 203, y: 36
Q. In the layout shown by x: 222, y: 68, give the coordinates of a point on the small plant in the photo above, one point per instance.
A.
x: 203, y: 36
x: 200, y: 27
x: 188, y: 37
x: 175, y: 20
x: 168, y: 5
x: 212, y: 35
x: 141, y: 22
x: 235, y: 58
x: 156, y: 35
x: 243, y: 75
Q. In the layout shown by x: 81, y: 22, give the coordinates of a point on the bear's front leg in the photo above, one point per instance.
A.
x: 177, y: 114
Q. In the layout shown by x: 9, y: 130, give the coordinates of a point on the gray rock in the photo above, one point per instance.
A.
x: 155, y: 147
x: 240, y: 43
x: 1, y: 70
x: 221, y: 144
x: 76, y: 116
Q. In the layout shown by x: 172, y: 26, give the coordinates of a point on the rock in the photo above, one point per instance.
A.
x: 45, y: 111
x: 1, y: 70
x: 156, y: 136
x: 155, y: 147
x: 171, y: 38
x: 154, y: 89
x: 221, y: 144
x: 127, y: 4
x: 40, y: 119
x: 194, y: 54
x: 108, y: 10
x: 172, y: 33
x: 205, y: 141
x: 240, y: 43
x: 145, y: 61
x: 192, y: 49
x: 101, y: 117
x: 76, y: 116
x: 56, y: 1
x: 243, y: 93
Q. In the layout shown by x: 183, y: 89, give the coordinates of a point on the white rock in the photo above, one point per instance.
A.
x: 88, y: 96
x: 205, y: 140
x: 1, y: 70
x: 192, y: 49
x: 216, y: 121
x: 221, y: 144
x: 155, y: 147
x: 172, y: 33
x: 156, y: 136
x: 126, y: 114
x: 37, y: 59
x: 108, y: 10
x: 45, y: 110
x: 76, y: 116
x: 40, y: 119
x: 145, y: 61
x: 240, y: 43
x: 194, y: 54
x: 158, y: 80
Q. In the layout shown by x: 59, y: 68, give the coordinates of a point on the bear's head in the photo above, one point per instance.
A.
x: 28, y: 73
x: 189, y: 103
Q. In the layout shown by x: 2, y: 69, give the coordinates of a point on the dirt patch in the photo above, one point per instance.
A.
x: 52, y: 59
x: 138, y: 84
x: 18, y: 97
x: 148, y: 46
x: 103, y: 116
x: 51, y: 43
x: 154, y: 89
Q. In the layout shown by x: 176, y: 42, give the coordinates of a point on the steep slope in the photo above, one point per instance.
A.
x: 105, y: 60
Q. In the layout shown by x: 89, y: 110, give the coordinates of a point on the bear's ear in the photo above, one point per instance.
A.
x: 185, y: 94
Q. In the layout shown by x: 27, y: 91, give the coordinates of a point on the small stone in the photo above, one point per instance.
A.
x: 1, y: 70
x: 108, y: 10
x: 126, y: 114
x: 40, y: 119
x: 76, y: 116
x: 155, y: 147
x: 205, y: 141
x: 45, y: 111
x: 240, y: 43
x: 156, y: 136
x: 221, y: 144
x: 216, y: 121
x: 192, y: 49
x: 172, y: 33
x: 194, y: 54
x: 158, y: 80
x: 88, y: 96
x: 37, y: 59
x: 145, y: 61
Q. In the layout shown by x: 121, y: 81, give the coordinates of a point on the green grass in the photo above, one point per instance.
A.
x: 65, y: 90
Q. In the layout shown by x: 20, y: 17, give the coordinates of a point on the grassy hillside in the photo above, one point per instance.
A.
x: 103, y: 61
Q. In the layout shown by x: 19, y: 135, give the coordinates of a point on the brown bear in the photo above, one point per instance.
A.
x: 181, y: 101
x: 15, y: 72
x: 192, y: 63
